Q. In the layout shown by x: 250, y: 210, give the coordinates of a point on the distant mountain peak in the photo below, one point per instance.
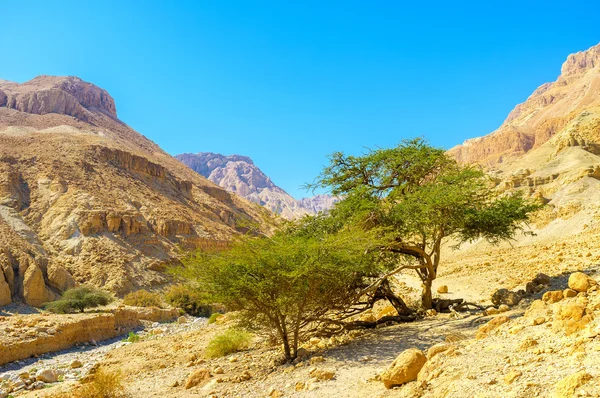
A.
x: 239, y: 174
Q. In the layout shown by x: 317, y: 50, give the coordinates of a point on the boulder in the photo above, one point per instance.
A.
x: 580, y: 282
x: 438, y: 348
x: 553, y: 296
x: 60, y: 278
x: 47, y: 376
x: 5, y: 296
x: 505, y: 296
x: 198, y: 377
x: 35, y: 290
x: 442, y: 289
x: 533, y: 288
x: 404, y: 369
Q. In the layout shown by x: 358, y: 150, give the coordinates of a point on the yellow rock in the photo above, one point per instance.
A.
x: 511, y: 376
x: 405, y: 368
x: 567, y: 387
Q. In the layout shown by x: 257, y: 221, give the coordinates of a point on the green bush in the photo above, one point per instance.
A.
x: 213, y: 318
x: 232, y: 340
x: 79, y: 298
x: 188, y: 300
x: 131, y: 338
x: 143, y: 298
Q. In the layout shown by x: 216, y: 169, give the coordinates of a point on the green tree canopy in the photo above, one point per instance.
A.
x: 79, y: 298
x: 294, y: 283
x: 423, y: 196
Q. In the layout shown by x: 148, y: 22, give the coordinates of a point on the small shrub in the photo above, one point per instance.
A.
x: 79, y: 298
x: 213, y: 318
x: 232, y: 340
x: 188, y: 299
x: 102, y: 384
x: 131, y: 338
x: 143, y: 298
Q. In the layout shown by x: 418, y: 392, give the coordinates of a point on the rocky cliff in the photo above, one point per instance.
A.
x: 84, y: 198
x: 239, y: 174
x: 548, y: 111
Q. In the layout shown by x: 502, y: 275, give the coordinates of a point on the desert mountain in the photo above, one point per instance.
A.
x: 549, y: 147
x: 239, y: 174
x: 83, y: 197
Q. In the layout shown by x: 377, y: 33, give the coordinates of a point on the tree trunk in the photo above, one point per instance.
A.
x: 426, y: 295
x: 286, y: 348
x: 385, y: 291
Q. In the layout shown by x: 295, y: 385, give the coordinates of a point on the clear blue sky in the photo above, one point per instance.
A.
x: 288, y: 82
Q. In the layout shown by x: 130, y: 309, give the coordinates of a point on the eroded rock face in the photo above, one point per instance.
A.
x: 86, y: 199
x: 5, y: 294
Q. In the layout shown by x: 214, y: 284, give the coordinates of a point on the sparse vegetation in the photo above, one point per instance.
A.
x: 213, y: 318
x: 131, y: 338
x: 292, y: 285
x: 78, y: 299
x: 228, y: 342
x: 189, y: 300
x: 102, y: 384
x: 423, y: 197
x: 143, y: 298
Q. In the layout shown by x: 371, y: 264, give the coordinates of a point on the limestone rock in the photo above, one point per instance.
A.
x: 542, y: 279
x: 405, y: 368
x: 484, y: 330
x: 442, y: 289
x: 47, y: 376
x: 35, y: 291
x: 198, y: 378
x: 505, y: 296
x: 438, y: 348
x: 569, y: 293
x: 76, y: 364
x: 60, y: 278
x: 5, y: 294
x: 567, y: 387
x: 580, y: 282
x: 553, y: 296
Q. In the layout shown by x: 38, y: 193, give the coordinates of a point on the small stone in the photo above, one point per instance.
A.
x: 492, y: 311
x: 47, y: 376
x: 553, y: 296
x: 503, y: 308
x: 300, y: 386
x: 219, y: 370
x: 512, y: 376
x: 198, y: 377
x: 317, y: 359
x: 182, y: 319
x: 539, y: 321
x: 233, y: 359
x: 569, y: 293
x: 442, y: 289
x: 75, y: 364
x: 542, y: 279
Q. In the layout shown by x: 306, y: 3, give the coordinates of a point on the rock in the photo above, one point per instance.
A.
x: 539, y: 321
x: 438, y: 348
x: 580, y: 282
x: 76, y: 364
x: 219, y: 370
x: 5, y: 294
x: 442, y: 289
x: 299, y: 386
x: 503, y: 308
x: 317, y: 359
x: 567, y: 387
x: 47, y: 376
x: 35, y: 291
x: 511, y: 376
x: 198, y: 378
x: 59, y: 277
x: 275, y: 393
x: 569, y: 293
x: 533, y: 288
x: 542, y: 279
x: 484, y: 330
x: 322, y: 375
x: 182, y: 319
x: 553, y: 296
x: 505, y: 296
x: 492, y: 311
x: 405, y: 368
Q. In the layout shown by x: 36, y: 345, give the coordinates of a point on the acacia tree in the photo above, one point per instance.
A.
x: 424, y: 197
x: 294, y: 283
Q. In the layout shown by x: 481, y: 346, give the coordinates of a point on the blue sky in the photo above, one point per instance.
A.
x: 287, y: 83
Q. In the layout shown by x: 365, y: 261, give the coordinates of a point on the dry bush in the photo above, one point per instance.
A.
x: 102, y: 384
x: 143, y: 298
x: 232, y: 340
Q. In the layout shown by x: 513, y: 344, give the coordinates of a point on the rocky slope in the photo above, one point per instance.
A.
x: 85, y: 198
x: 553, y: 108
x: 239, y: 174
